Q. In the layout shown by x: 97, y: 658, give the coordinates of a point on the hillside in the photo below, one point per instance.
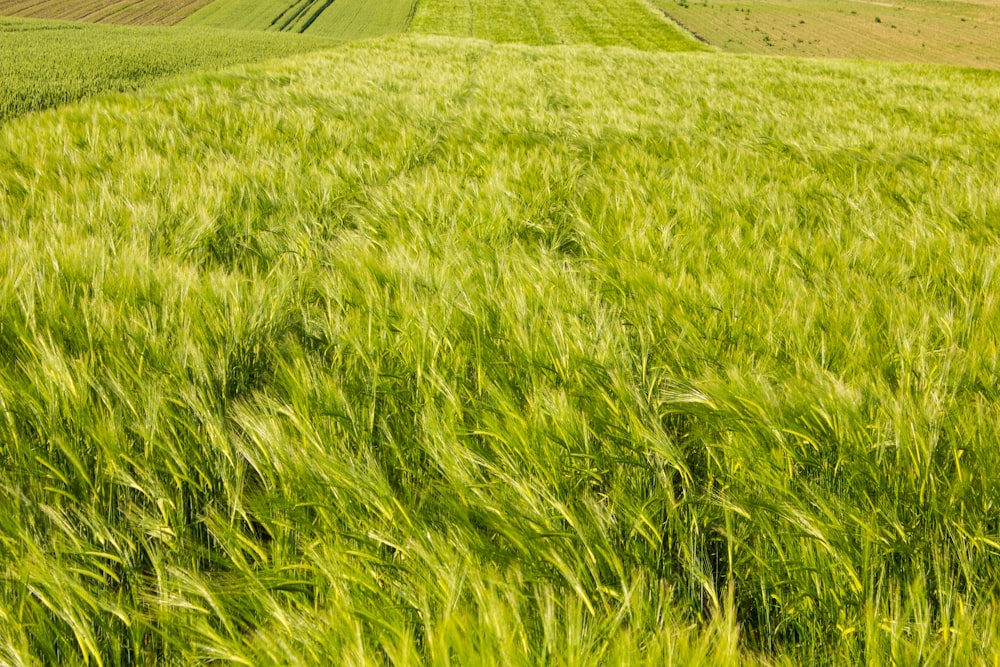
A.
x: 630, y: 23
x: 953, y: 32
x: 956, y: 32
x: 50, y: 63
x: 345, y: 19
x: 436, y: 351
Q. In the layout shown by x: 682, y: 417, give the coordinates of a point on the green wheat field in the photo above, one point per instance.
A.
x: 492, y: 333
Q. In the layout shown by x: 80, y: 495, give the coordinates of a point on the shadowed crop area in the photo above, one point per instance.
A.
x: 434, y: 351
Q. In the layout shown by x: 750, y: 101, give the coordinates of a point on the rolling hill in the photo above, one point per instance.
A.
x: 962, y: 33
x: 50, y: 63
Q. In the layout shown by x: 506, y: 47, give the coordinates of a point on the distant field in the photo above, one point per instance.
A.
x: 601, y: 22
x: 129, y: 12
x: 928, y: 31
x: 240, y: 14
x: 355, y: 19
x: 342, y: 19
x: 630, y: 23
x: 626, y: 23
x: 48, y: 63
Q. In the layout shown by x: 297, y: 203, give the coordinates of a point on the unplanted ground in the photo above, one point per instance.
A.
x: 49, y: 63
x: 924, y: 31
x: 430, y: 351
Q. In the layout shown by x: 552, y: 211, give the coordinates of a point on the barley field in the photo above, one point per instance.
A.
x: 50, y: 63
x: 430, y: 351
x: 964, y: 33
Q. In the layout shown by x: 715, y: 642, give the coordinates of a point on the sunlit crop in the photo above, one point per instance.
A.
x: 432, y: 351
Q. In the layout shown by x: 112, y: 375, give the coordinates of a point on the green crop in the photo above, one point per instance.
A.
x: 48, y: 63
x: 357, y: 19
x: 343, y: 19
x: 630, y: 23
x: 432, y: 351
x: 267, y: 15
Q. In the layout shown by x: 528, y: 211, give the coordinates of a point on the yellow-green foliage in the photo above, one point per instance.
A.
x: 426, y: 351
x: 357, y: 19
x: 256, y: 14
x: 632, y: 23
x: 47, y: 63
x: 342, y: 19
x: 123, y: 12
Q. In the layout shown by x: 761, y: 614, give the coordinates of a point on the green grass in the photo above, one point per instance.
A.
x: 49, y: 63
x: 431, y: 351
x: 244, y: 14
x: 357, y: 19
x: 630, y: 23
x: 340, y: 19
